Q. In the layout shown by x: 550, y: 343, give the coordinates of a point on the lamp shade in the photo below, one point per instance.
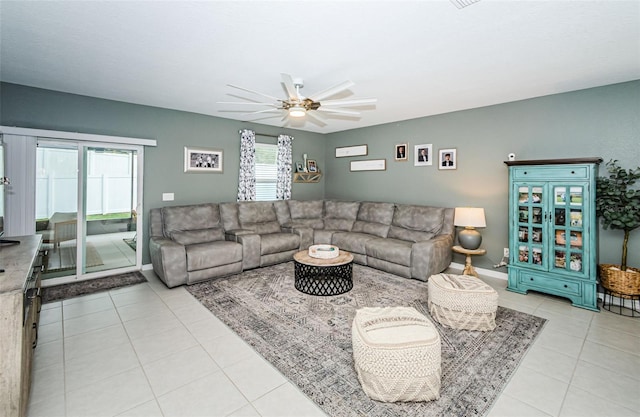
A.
x: 469, y: 217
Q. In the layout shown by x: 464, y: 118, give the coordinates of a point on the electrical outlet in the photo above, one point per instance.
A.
x: 505, y: 252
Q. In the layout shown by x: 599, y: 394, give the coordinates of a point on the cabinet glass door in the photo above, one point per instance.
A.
x: 530, y: 225
x: 567, y: 228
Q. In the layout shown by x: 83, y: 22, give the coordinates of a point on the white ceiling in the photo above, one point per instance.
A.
x: 419, y: 58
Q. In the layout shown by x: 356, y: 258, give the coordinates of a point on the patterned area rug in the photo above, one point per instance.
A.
x: 308, y: 338
x: 76, y: 289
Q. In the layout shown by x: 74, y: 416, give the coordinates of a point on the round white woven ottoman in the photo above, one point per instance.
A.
x: 462, y: 302
x: 396, y: 351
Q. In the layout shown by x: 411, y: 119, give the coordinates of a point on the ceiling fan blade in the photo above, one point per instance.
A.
x: 339, y: 111
x: 249, y: 103
x: 265, y: 111
x: 315, y: 120
x: 331, y: 91
x: 290, y: 86
x: 347, y: 103
x: 254, y: 92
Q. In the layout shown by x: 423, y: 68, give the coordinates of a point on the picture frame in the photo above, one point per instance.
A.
x: 368, y: 165
x: 312, y: 166
x: 423, y: 155
x: 448, y: 158
x: 356, y: 150
x: 402, y: 152
x: 203, y: 160
x: 299, y: 167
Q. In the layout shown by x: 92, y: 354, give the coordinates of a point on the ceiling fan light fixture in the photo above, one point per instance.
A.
x: 297, y: 111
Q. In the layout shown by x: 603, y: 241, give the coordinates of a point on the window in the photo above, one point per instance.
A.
x: 266, y: 171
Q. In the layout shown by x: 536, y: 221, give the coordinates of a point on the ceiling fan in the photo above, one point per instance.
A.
x: 298, y: 106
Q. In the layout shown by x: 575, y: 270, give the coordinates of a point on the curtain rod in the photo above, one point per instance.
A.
x: 262, y: 134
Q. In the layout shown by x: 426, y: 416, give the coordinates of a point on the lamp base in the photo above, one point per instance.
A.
x: 469, y: 238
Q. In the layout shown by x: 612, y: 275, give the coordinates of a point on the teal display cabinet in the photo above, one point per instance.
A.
x: 553, y: 228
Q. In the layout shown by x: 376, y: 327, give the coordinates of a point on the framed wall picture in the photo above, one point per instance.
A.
x: 369, y: 165
x: 299, y: 167
x: 202, y: 160
x: 423, y: 155
x: 312, y: 166
x: 402, y: 152
x: 447, y: 159
x: 357, y: 150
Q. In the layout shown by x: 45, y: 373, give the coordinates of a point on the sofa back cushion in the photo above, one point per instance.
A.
x: 258, y: 216
x: 307, y: 213
x: 340, y: 215
x: 374, y: 218
x: 229, y: 214
x: 195, y: 223
x: 416, y: 223
x: 282, y: 212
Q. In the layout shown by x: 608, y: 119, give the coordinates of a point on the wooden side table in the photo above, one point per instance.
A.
x: 468, y: 268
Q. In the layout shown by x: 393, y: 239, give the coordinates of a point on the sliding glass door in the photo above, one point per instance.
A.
x: 57, y: 206
x: 87, y: 200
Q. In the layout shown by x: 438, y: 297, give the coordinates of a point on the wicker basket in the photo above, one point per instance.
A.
x: 625, y: 283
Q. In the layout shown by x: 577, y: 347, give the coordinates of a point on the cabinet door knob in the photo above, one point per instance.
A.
x: 566, y: 286
x: 531, y: 279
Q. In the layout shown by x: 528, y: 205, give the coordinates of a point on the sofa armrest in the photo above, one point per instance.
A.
x: 233, y: 234
x: 431, y: 256
x: 250, y: 249
x: 169, y: 260
x: 305, y: 233
x: 250, y: 242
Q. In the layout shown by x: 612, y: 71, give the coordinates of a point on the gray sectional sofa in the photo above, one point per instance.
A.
x: 189, y: 244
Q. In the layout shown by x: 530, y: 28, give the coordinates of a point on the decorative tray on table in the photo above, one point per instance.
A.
x: 324, y: 251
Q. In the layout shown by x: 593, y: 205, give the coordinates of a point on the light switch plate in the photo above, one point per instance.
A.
x: 167, y: 197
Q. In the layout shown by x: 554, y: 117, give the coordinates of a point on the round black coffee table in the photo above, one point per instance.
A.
x: 316, y: 276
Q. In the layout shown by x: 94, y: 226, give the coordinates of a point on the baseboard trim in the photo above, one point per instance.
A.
x: 482, y: 271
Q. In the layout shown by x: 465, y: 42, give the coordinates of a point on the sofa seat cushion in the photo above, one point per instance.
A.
x: 192, y: 237
x: 390, y: 250
x: 352, y: 241
x: 212, y: 254
x: 278, y: 242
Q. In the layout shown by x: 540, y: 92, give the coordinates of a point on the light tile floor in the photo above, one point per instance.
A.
x: 146, y: 350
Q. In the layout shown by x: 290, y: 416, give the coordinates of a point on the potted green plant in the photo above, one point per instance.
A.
x: 618, y: 205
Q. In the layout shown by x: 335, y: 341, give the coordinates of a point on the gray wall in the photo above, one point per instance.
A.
x: 601, y: 122
x: 164, y: 168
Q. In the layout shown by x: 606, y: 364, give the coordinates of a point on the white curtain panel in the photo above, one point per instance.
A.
x: 247, y: 180
x: 283, y: 185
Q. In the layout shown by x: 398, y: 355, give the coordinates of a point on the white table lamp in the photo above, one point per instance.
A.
x: 469, y: 218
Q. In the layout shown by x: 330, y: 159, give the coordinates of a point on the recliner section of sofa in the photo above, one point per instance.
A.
x: 411, y: 241
x: 188, y: 245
